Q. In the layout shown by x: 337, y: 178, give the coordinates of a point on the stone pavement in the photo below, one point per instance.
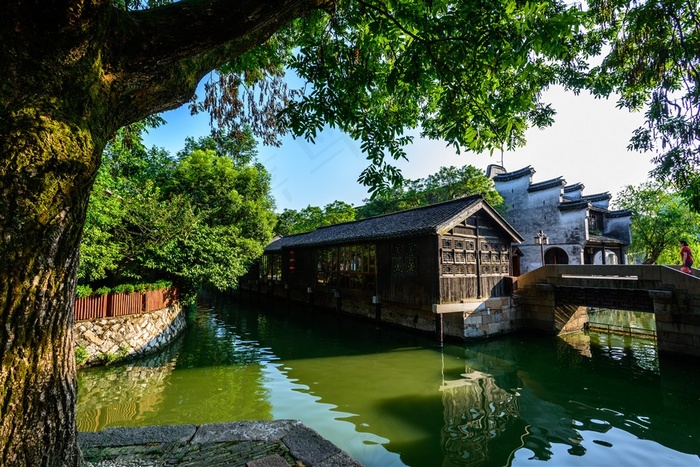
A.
x: 279, y: 443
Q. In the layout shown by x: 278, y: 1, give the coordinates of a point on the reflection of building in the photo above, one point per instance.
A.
x: 580, y: 228
x: 476, y: 410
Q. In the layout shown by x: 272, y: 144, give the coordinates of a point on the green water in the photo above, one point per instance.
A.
x: 391, y: 398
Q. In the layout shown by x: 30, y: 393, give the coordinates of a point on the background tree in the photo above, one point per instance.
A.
x: 660, y: 220
x: 310, y: 218
x: 200, y: 219
x: 448, y: 183
x: 654, y: 64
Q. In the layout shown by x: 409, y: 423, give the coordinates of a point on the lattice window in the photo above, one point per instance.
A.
x: 460, y: 257
x: 411, y: 249
x: 446, y: 243
x: 470, y: 245
x: 351, y: 266
x: 447, y: 257
x: 459, y: 245
x: 404, y: 260
x: 411, y: 266
x: 471, y: 258
x: 447, y: 269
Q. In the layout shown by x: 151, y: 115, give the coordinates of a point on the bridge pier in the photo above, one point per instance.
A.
x: 677, y: 325
x: 541, y: 312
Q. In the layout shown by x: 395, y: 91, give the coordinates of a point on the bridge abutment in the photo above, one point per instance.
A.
x: 677, y: 322
x: 554, y: 299
x: 541, y: 312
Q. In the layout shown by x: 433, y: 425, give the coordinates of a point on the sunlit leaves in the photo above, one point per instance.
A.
x: 660, y: 219
x: 199, y: 219
x: 470, y: 73
x: 654, y: 64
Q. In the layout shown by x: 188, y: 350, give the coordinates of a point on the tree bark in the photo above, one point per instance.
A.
x: 71, y: 73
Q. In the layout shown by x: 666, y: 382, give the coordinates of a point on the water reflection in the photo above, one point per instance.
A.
x: 396, y: 399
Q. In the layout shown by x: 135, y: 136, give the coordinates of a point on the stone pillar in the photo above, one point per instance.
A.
x: 538, y: 304
x: 677, y: 325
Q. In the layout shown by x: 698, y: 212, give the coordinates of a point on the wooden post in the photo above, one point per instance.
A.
x: 439, y: 328
x: 377, y: 308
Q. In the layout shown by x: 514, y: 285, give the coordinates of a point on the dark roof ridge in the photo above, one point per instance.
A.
x: 559, y: 181
x: 574, y: 187
x: 574, y: 205
x: 598, y: 196
x: 504, y: 177
x: 620, y: 213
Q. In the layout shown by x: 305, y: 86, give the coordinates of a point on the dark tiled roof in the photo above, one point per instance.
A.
x: 574, y: 187
x: 431, y: 219
x: 600, y: 239
x: 597, y: 197
x: 524, y: 172
x: 555, y: 182
x: 574, y: 205
x: 620, y: 213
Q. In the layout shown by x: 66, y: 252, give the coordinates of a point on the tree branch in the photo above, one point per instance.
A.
x: 156, y: 57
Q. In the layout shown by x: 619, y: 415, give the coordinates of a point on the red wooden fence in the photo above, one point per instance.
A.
x: 94, y: 306
x: 101, y: 306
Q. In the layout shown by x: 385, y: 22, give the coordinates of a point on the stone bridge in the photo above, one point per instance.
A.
x: 555, y: 298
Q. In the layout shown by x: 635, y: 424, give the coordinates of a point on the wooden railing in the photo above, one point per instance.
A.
x: 103, y: 306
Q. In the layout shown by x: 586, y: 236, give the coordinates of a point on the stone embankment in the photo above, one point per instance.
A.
x: 107, y: 339
x: 280, y: 443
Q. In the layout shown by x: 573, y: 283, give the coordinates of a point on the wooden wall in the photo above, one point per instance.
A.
x: 474, y: 260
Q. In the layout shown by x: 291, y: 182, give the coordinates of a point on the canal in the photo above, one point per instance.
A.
x: 391, y: 398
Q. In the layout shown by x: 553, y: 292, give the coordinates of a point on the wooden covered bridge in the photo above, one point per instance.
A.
x: 420, y: 268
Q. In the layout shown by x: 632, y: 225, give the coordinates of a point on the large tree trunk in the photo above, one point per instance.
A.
x: 71, y: 73
x: 47, y: 169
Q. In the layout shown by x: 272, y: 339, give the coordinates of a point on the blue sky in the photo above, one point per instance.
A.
x: 586, y: 144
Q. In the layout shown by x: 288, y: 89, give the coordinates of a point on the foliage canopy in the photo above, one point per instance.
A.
x: 202, y: 217
x: 660, y: 220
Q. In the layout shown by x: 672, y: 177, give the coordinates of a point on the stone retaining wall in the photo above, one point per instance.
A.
x: 108, y: 339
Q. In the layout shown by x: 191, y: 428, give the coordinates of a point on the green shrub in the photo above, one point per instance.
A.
x: 81, y: 355
x: 83, y: 291
x: 103, y: 291
x: 124, y: 288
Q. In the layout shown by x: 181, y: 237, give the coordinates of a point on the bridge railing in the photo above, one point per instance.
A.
x: 628, y: 276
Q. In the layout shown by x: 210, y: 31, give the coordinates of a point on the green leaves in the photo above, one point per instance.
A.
x: 201, y: 219
x: 660, y: 220
x: 654, y: 63
x: 292, y: 222
x: 469, y: 73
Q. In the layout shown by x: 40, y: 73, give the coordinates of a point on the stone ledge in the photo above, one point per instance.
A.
x: 245, y: 443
